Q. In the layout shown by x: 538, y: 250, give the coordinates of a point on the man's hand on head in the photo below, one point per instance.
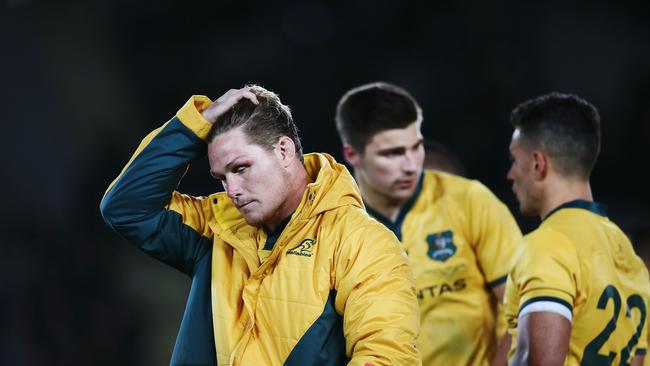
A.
x: 226, y: 101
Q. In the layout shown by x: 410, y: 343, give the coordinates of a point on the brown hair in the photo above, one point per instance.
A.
x: 565, y: 126
x: 263, y: 123
x: 369, y: 109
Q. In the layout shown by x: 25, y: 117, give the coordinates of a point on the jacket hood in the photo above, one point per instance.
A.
x: 333, y: 186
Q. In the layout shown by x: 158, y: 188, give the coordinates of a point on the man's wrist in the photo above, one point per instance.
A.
x: 191, y: 116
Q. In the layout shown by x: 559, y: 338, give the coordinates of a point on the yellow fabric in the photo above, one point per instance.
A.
x: 262, y: 254
x: 190, y: 115
x: 458, y: 311
x: 260, y: 311
x: 572, y: 257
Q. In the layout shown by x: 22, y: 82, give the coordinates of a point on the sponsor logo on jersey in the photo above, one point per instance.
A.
x: 440, y: 289
x: 441, y: 245
x: 304, y: 249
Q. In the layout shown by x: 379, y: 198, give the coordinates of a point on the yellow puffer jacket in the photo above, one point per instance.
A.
x: 335, y: 289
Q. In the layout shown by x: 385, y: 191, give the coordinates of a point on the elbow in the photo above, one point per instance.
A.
x: 107, y: 210
x: 113, y: 210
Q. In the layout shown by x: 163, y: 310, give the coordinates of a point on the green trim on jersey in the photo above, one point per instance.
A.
x: 546, y: 298
x: 498, y: 281
x: 595, y: 207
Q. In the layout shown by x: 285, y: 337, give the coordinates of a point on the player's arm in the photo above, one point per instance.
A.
x: 503, y: 344
x: 141, y: 204
x: 544, y: 278
x: 495, y: 235
x: 544, y: 337
x: 376, y: 294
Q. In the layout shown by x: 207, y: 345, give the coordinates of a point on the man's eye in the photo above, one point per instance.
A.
x: 392, y: 153
x: 240, y: 169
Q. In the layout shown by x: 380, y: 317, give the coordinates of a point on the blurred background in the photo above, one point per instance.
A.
x: 83, y: 82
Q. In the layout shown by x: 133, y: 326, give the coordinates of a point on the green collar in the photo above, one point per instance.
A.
x: 273, y: 235
x: 595, y: 207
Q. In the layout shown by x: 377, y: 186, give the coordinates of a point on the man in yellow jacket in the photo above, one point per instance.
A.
x: 286, y: 266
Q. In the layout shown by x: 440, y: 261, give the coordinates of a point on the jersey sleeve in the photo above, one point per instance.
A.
x: 494, y: 233
x: 544, y: 273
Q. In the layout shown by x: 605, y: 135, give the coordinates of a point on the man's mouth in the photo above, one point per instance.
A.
x: 241, y: 206
x: 405, y: 183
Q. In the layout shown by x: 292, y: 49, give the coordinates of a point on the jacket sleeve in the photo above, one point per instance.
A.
x: 141, y: 204
x: 376, y: 293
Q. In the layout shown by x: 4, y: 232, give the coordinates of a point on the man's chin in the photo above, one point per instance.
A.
x: 253, y: 220
x: 404, y: 193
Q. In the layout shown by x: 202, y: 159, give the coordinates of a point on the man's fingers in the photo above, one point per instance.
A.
x: 250, y: 96
x: 236, y: 95
x: 233, y: 96
x: 226, y: 95
x: 226, y: 101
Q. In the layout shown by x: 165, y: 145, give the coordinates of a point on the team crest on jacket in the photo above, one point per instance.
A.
x: 441, y: 245
x: 304, y: 249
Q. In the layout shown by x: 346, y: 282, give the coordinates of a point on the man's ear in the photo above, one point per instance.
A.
x: 351, y: 155
x: 286, y: 150
x: 540, y: 165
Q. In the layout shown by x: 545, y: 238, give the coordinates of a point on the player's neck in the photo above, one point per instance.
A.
x: 388, y: 207
x: 389, y: 211
x: 560, y: 191
x: 297, y: 187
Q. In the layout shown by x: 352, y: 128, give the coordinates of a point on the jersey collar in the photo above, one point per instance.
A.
x: 595, y: 207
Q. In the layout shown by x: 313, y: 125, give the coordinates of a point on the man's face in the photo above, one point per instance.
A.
x: 254, y: 178
x: 521, y: 174
x: 391, y: 163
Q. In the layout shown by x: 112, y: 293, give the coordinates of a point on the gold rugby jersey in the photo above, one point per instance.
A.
x: 460, y: 239
x: 580, y: 265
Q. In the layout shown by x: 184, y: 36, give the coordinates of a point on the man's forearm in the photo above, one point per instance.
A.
x: 147, y: 182
x: 501, y: 353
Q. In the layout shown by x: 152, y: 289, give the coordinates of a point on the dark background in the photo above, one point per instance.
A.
x: 83, y: 82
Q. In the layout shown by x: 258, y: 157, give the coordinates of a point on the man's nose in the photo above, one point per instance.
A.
x: 233, y: 189
x: 410, y: 163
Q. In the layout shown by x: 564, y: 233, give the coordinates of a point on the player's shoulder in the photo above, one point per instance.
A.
x: 546, y: 240
x: 542, y: 252
x: 454, y: 186
x: 446, y: 179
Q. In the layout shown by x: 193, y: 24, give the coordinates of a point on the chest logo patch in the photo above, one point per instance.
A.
x: 441, y: 245
x: 304, y: 249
